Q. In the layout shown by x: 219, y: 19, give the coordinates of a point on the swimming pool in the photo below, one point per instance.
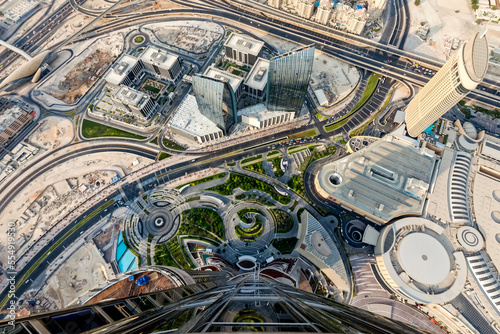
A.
x: 125, y: 258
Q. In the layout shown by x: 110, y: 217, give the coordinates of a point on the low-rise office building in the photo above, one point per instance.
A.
x: 258, y: 116
x: 160, y: 63
x: 190, y: 123
x: 235, y: 81
x: 256, y: 80
x: 15, y: 11
x: 125, y: 71
x: 243, y: 49
x: 134, y: 101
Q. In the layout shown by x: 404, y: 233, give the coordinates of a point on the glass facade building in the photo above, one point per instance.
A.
x: 216, y: 101
x: 211, y: 301
x: 288, y: 79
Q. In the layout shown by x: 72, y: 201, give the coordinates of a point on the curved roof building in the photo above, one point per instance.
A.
x: 417, y: 259
x: 28, y: 69
x: 461, y: 74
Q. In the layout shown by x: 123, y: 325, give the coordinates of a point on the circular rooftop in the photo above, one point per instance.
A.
x: 424, y: 258
x: 475, y: 57
x: 470, y: 239
x: 320, y: 245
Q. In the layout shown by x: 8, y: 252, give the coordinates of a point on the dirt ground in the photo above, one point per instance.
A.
x: 73, y: 81
x: 53, y: 132
x: 447, y: 19
x: 193, y: 36
x: 83, y: 271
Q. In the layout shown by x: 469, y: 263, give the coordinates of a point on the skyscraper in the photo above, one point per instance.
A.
x: 461, y: 74
x: 209, y: 301
x: 288, y: 79
x: 216, y: 101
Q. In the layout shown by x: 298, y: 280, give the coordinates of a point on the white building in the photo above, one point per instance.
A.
x: 349, y: 19
x: 235, y: 81
x: 190, y: 123
x: 161, y: 63
x: 157, y: 62
x: 134, y: 101
x: 275, y: 3
x: 324, y: 12
x: 305, y: 9
x: 256, y: 80
x: 15, y: 11
x: 259, y: 117
x: 124, y: 71
x: 243, y: 49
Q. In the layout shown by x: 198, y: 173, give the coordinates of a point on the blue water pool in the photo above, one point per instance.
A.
x: 125, y: 258
x: 429, y: 129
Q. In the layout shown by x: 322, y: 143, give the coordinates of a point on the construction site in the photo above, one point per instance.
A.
x: 332, y: 79
x: 190, y: 36
x: 53, y: 202
x: 74, y: 80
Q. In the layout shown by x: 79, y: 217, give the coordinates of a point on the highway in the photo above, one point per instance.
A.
x: 374, y: 59
x: 357, y: 50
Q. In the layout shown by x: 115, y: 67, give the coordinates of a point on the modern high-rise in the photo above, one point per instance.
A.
x: 461, y: 74
x: 288, y: 79
x: 216, y: 100
x: 198, y: 301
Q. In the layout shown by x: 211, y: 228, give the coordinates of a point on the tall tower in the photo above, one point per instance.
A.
x: 461, y: 74
x: 206, y: 302
x: 288, y: 79
x: 216, y: 101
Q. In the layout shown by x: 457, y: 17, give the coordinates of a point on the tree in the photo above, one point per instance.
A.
x: 417, y: 2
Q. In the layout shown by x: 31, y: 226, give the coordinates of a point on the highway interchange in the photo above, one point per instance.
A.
x: 361, y: 52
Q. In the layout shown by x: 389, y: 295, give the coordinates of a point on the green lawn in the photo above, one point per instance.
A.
x: 243, y: 212
x: 256, y: 167
x: 151, y: 89
x: 163, y: 155
x: 172, y: 145
x: 273, y: 153
x: 285, y: 246
x: 370, y: 87
x: 283, y: 220
x: 205, y: 179
x: 276, y: 164
x: 250, y: 234
x: 247, y: 160
x: 92, y: 129
x: 247, y: 183
x: 305, y: 134
x: 139, y: 39
x: 205, y: 218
